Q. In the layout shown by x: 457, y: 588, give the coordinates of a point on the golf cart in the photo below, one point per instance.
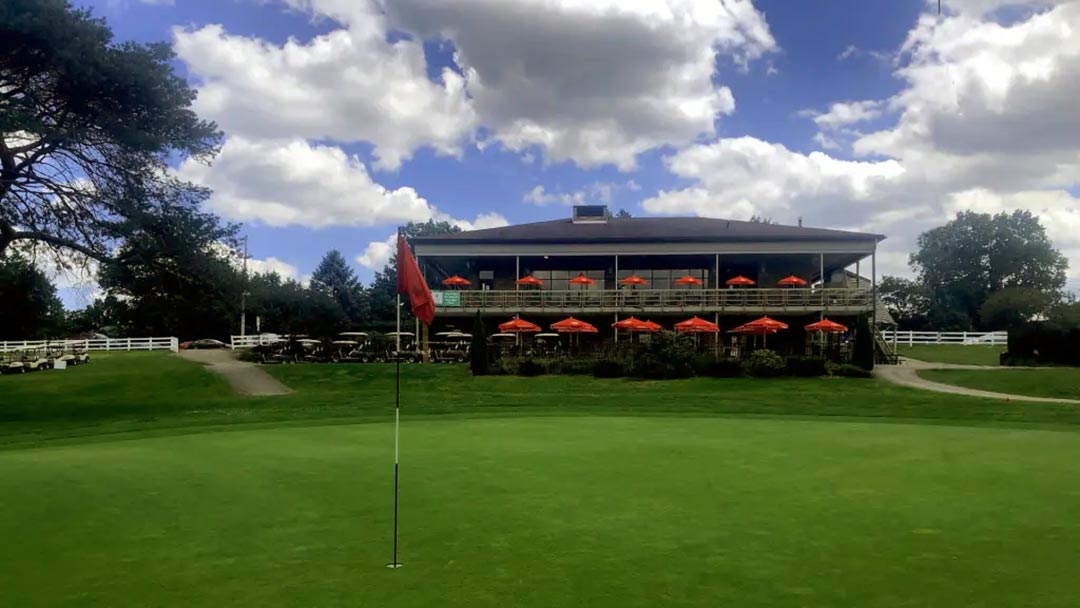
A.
x: 354, y: 346
x: 450, y: 347
x: 547, y: 344
x: 314, y: 351
x: 408, y: 353
x: 11, y: 362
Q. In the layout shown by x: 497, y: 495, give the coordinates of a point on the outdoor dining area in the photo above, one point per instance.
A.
x: 522, y: 336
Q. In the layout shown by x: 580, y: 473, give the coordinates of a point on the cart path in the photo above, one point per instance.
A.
x: 907, y: 374
x: 244, y: 378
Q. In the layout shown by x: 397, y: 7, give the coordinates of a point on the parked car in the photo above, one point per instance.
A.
x: 208, y: 343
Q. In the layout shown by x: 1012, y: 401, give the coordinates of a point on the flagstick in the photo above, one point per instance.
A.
x: 397, y: 431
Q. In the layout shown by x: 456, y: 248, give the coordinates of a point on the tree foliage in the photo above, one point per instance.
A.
x: 862, y: 352
x: 383, y: 293
x: 907, y: 300
x: 479, y: 363
x: 31, y: 309
x: 976, y: 255
x: 1014, y: 306
x: 336, y: 279
x: 86, y: 127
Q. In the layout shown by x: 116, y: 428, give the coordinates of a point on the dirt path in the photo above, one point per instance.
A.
x: 245, y: 378
x: 907, y: 374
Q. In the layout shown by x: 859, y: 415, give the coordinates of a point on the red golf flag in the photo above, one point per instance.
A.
x: 411, y: 283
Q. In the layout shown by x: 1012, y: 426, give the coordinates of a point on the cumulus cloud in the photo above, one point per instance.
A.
x: 349, y: 85
x: 273, y: 265
x: 987, y: 120
x: 594, y: 82
x: 596, y: 192
x: 292, y: 182
x: 378, y: 253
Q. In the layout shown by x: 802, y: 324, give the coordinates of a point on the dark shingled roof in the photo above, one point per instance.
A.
x: 648, y: 229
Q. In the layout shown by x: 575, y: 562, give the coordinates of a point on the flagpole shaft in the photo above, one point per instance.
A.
x: 397, y: 429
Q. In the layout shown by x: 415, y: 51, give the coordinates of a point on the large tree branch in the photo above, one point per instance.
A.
x: 8, y: 235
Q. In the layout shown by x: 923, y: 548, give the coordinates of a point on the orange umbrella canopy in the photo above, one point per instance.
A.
x: 653, y: 326
x: 457, y: 281
x: 828, y: 326
x: 570, y: 325
x: 529, y: 280
x: 581, y: 279
x: 633, y: 280
x: 740, y: 280
x: 633, y: 325
x: 696, y: 325
x: 689, y: 280
x: 791, y: 280
x: 760, y: 327
x: 519, y: 326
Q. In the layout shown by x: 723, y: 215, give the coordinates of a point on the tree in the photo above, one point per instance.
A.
x: 334, y: 278
x: 384, y: 287
x: 104, y: 315
x: 976, y: 255
x: 31, y: 308
x: 760, y: 219
x: 1014, y: 306
x: 178, y: 272
x: 623, y: 213
x: 86, y: 128
x: 908, y: 301
x: 1064, y: 316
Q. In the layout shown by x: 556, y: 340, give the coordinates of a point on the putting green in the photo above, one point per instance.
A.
x: 550, y: 512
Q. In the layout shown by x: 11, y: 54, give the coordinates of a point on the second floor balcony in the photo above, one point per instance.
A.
x: 735, y: 301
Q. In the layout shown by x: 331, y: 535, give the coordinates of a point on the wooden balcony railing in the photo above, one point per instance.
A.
x: 658, y: 300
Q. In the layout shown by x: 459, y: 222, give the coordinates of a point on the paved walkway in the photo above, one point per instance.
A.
x: 244, y: 378
x: 906, y: 374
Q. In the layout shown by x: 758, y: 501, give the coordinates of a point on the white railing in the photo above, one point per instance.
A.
x: 252, y: 340
x: 97, y: 344
x: 910, y: 338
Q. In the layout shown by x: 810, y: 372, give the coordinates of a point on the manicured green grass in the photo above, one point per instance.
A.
x: 973, y: 354
x: 1060, y: 382
x: 549, y: 512
x: 160, y: 393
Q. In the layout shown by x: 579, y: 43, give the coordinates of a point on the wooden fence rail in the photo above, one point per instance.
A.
x: 97, y: 344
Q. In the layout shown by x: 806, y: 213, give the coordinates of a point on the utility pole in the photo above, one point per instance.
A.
x: 244, y: 293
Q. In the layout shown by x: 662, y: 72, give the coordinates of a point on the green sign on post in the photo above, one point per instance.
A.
x: 446, y: 298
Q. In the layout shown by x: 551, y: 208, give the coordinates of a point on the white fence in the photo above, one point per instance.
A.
x: 992, y: 338
x: 252, y: 340
x: 106, y: 344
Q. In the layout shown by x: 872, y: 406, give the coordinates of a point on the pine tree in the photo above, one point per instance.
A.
x: 478, y: 353
x: 334, y: 278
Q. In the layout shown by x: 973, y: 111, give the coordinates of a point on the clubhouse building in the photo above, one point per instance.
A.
x: 601, y: 268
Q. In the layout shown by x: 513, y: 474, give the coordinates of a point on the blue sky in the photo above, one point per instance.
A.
x: 865, y: 115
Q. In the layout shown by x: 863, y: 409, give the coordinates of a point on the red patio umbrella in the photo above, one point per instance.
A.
x: 653, y: 326
x: 519, y: 326
x: 740, y: 280
x: 697, y: 325
x: 791, y: 281
x: 529, y: 280
x: 633, y: 280
x: 582, y: 280
x: 827, y: 326
x: 456, y: 281
x: 570, y: 325
x: 760, y: 327
x: 632, y: 325
x: 689, y: 280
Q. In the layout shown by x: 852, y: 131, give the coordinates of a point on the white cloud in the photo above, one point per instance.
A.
x: 378, y: 253
x: 349, y: 85
x: 594, y: 193
x: 282, y: 183
x: 987, y: 120
x: 271, y: 264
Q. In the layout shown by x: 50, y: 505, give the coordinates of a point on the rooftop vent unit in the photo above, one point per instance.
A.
x: 590, y: 214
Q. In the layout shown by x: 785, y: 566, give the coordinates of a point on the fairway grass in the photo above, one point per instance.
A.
x: 963, y: 354
x: 1057, y: 382
x: 621, y: 512
x: 141, y: 394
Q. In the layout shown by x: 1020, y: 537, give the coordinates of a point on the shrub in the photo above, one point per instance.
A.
x: 666, y: 355
x: 575, y: 366
x: 764, y: 363
x: 609, y: 368
x: 251, y: 355
x: 806, y: 367
x: 848, y: 370
x: 712, y: 367
x: 503, y: 366
x: 528, y: 367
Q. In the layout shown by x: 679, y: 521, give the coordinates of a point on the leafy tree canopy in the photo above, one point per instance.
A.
x: 86, y: 127
x: 336, y: 279
x: 31, y: 308
x: 976, y: 255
